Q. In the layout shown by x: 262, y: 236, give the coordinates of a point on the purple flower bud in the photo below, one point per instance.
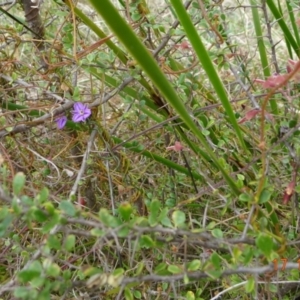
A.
x: 61, y: 122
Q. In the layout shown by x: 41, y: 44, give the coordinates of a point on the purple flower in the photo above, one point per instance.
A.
x: 61, y: 122
x: 80, y: 112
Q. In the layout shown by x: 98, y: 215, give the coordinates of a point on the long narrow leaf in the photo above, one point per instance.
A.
x: 293, y: 21
x: 262, y: 49
x: 207, y: 64
x: 283, y: 26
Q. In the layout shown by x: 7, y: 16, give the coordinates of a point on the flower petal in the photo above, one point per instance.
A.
x: 78, y: 106
x: 77, y: 118
x: 87, y: 113
x: 61, y: 122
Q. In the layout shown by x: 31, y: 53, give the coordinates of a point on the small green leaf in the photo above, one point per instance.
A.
x: 205, y: 132
x: 217, y: 233
x: 53, y: 242
x: 174, y: 269
x: 38, y: 282
x: 28, y: 275
x: 215, y: 259
x: 68, y: 208
x: 43, y: 195
x: 265, y: 244
x: 194, y: 265
x: 245, y: 198
x: 146, y: 242
x: 163, y: 218
x: 54, y: 220
x: 34, y: 270
x: 36, y: 266
x: 178, y: 218
x: 49, y: 207
x: 40, y: 216
x: 18, y: 183
x: 140, y: 268
x: 166, y: 222
x: 9, y: 129
x: 118, y: 272
x: 123, y: 232
x: 186, y: 279
x: 249, y: 287
x: 67, y: 274
x: 265, y: 196
x: 161, y: 269
x: 248, y: 254
x: 163, y: 213
x: 5, y: 221
x: 97, y: 232
x: 240, y: 177
x: 70, y: 242
x: 125, y: 210
x: 170, y: 202
x: 137, y: 294
x: 214, y: 274
x: 26, y: 200
x: 128, y: 295
x: 154, y: 212
x: 108, y: 219
x: 211, y: 225
x: 52, y: 269
x: 22, y: 292
x: 190, y: 295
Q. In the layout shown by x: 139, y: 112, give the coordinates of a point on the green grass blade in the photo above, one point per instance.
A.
x: 293, y: 21
x: 262, y: 49
x: 207, y: 64
x: 288, y: 44
x: 287, y: 33
x: 260, y: 40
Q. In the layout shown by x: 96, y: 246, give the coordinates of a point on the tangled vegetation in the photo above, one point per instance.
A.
x: 149, y: 149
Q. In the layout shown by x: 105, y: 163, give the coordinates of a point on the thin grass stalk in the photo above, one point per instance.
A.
x: 260, y: 40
